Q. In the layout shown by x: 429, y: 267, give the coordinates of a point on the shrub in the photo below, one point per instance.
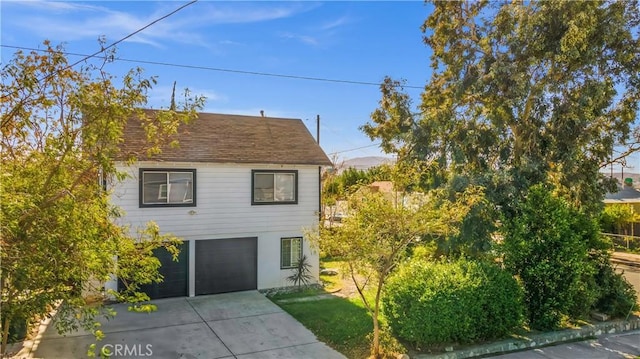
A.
x: 546, y: 245
x: 429, y: 303
x: 617, y: 297
x: 301, y: 272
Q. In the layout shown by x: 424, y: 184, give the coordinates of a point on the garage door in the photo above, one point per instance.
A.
x: 226, y: 265
x: 176, y: 275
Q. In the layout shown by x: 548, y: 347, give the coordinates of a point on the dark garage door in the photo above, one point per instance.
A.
x: 226, y: 265
x: 176, y: 275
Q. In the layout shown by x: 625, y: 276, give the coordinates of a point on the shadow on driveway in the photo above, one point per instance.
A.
x: 230, y: 325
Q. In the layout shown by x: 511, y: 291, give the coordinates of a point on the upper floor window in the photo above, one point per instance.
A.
x: 170, y: 188
x: 274, y: 187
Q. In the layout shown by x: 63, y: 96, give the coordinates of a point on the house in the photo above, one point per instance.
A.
x: 626, y: 195
x: 239, y: 190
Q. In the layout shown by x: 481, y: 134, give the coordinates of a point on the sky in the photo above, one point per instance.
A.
x: 358, y: 41
x: 340, y: 41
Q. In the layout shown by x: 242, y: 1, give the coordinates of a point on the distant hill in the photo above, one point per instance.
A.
x: 363, y: 163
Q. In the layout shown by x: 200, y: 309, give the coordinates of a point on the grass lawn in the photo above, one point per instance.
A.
x: 341, y: 323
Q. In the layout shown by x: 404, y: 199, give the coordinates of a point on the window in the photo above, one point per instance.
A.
x: 290, y: 252
x: 168, y: 188
x: 274, y: 187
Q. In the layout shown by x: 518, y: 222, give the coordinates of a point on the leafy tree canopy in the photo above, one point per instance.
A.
x: 375, y: 236
x: 61, y: 128
x: 521, y: 93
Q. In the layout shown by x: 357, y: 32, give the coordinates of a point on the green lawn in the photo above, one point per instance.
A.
x: 341, y: 323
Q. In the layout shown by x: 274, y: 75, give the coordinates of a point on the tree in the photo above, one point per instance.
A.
x: 375, y: 236
x: 337, y: 185
x: 61, y: 129
x: 547, y: 247
x: 521, y: 93
x: 615, y: 218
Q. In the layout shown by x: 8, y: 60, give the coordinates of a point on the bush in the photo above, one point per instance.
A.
x: 617, y: 297
x: 17, y: 330
x: 435, y: 303
x: 546, y: 245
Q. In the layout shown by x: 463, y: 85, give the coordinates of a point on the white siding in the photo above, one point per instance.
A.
x: 224, y: 210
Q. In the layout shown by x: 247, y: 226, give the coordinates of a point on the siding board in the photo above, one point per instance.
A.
x: 224, y: 210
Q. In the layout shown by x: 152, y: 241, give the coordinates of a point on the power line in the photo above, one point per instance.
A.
x: 103, y: 49
x: 131, y: 34
x: 353, y: 149
x: 219, y: 69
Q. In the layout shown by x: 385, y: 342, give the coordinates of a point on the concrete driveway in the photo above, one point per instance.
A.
x: 230, y: 325
x: 621, y: 345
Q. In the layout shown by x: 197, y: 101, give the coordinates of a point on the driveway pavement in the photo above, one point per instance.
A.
x: 230, y: 325
x: 622, y: 345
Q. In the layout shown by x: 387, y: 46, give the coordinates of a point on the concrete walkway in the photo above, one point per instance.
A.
x: 231, y: 325
x: 623, y: 345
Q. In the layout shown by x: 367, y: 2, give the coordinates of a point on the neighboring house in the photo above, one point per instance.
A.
x: 240, y: 191
x: 627, y: 195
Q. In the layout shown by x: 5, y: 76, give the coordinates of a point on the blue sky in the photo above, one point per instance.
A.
x: 355, y: 41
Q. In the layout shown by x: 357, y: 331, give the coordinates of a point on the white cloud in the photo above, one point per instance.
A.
x: 330, y: 25
x: 244, y: 12
x: 59, y: 6
x: 319, y: 35
x: 69, y: 21
x: 306, y: 39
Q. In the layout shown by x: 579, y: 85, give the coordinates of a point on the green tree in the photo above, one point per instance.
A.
x: 337, y: 186
x: 547, y: 246
x: 615, y: 218
x: 374, y: 238
x: 521, y: 93
x: 61, y: 128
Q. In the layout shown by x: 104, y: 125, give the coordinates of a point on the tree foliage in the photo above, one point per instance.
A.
x: 616, y: 217
x: 337, y: 185
x: 547, y: 245
x: 432, y: 304
x: 61, y: 130
x: 521, y: 93
x: 374, y: 237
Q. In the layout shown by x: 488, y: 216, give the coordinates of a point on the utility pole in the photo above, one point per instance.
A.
x: 318, y: 129
x: 319, y: 173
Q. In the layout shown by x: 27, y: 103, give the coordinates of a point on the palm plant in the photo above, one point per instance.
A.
x: 301, y: 272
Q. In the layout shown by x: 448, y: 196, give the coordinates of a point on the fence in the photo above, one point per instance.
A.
x: 623, y: 242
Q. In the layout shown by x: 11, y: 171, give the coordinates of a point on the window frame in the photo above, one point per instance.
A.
x: 291, y: 262
x: 141, y: 173
x: 274, y: 172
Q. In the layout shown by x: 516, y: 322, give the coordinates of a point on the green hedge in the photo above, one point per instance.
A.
x: 429, y: 304
x: 617, y: 296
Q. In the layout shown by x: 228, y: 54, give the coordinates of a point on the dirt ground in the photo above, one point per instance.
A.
x: 344, y: 286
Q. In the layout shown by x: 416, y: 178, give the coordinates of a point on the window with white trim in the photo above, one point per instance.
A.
x: 274, y: 187
x: 290, y: 252
x: 171, y: 188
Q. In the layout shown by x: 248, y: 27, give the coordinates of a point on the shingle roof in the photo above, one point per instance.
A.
x: 233, y: 139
